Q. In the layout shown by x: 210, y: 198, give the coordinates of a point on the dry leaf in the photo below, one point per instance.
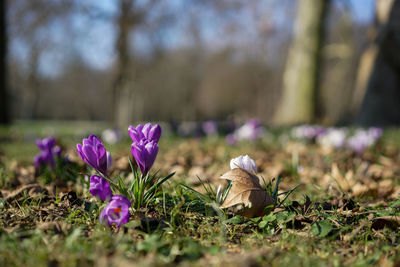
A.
x: 247, y: 192
x: 386, y: 221
x: 347, y: 182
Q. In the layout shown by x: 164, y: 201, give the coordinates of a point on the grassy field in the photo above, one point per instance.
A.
x: 344, y: 212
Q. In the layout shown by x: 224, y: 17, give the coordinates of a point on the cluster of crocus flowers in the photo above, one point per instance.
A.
x: 339, y: 137
x: 308, y: 132
x: 49, y: 151
x: 93, y: 153
x: 363, y: 139
x: 144, y: 149
x: 144, y: 146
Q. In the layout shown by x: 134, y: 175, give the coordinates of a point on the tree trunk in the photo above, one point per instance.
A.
x: 31, y: 93
x: 301, y: 76
x: 123, y: 86
x: 4, y: 111
x: 380, y: 80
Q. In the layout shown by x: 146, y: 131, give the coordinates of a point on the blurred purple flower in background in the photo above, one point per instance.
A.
x: 332, y: 137
x: 364, y: 138
x: 111, y: 136
x: 230, y: 139
x: 116, y: 211
x: 189, y: 129
x: 310, y: 132
x: 48, y: 150
x: 210, y: 128
x: 145, y: 153
x: 93, y: 152
x: 375, y: 132
x: 99, y: 187
x: 147, y: 132
x: 252, y: 130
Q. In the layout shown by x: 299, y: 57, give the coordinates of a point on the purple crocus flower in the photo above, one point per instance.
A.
x: 309, y: 132
x: 363, y: 139
x: 116, y: 211
x: 99, y: 187
x: 231, y: 139
x: 93, y: 152
x: 333, y: 137
x: 145, y: 153
x: 48, y: 150
x: 375, y: 132
x: 147, y: 132
x: 251, y: 131
x: 210, y: 127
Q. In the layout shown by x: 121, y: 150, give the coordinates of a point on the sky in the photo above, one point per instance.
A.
x: 94, y: 40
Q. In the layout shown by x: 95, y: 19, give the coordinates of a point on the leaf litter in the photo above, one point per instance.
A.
x: 344, y: 202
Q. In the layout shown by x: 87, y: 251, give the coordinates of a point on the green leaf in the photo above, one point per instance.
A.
x: 235, y: 220
x: 321, y: 228
x: 262, y: 224
x: 269, y: 218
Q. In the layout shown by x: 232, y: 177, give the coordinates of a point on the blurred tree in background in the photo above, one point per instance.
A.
x: 129, y: 60
x: 299, y: 103
x: 379, y: 76
x: 4, y: 114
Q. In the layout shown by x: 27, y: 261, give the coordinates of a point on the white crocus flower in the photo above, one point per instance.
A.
x: 244, y: 162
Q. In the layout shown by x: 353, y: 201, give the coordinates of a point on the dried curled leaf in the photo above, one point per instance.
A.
x: 247, y: 192
x: 242, y: 176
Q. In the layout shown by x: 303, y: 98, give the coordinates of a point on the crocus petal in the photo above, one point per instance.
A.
x: 136, y: 133
x: 145, y: 153
x: 94, y: 153
x: 146, y: 129
x: 101, y: 158
x: 99, y: 187
x: 138, y: 156
x: 90, y: 155
x: 150, y: 154
x: 39, y: 144
x: 116, y: 212
x: 145, y: 132
x: 154, y: 133
x: 244, y: 162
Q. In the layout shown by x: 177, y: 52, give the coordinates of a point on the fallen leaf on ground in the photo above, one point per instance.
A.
x: 246, y: 191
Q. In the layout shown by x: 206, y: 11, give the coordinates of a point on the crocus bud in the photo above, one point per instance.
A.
x: 116, y: 211
x: 93, y: 152
x: 145, y: 153
x: 147, y: 132
x: 99, y: 187
x: 244, y: 162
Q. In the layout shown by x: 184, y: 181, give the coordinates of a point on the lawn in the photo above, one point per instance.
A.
x: 344, y: 210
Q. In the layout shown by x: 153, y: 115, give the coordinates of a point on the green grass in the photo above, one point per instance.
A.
x: 326, y: 228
